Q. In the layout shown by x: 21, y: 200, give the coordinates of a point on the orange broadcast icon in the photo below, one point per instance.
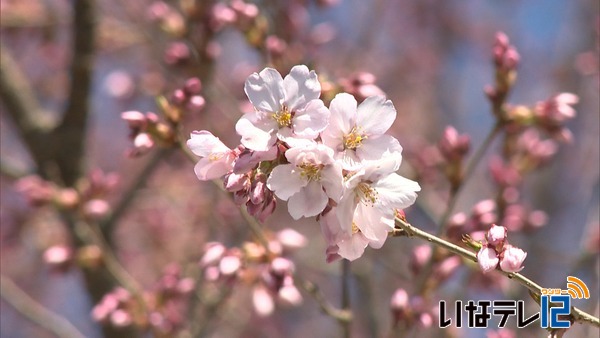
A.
x: 576, y: 288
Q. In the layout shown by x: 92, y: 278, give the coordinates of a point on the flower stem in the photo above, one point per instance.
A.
x: 409, y: 230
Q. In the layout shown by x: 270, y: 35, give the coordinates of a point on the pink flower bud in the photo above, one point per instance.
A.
x: 262, y: 301
x: 281, y: 266
x: 399, y: 300
x: 177, y: 52
x: 289, y: 294
x: 425, y: 320
x: 453, y: 145
x: 512, y: 259
x: 142, y: 143
x: 236, y: 182
x: 196, y: 103
x: 212, y: 254
x: 120, y: 318
x: 229, y: 265
x: 96, y: 209
x: 447, y: 267
x: 291, y: 238
x: 496, y: 235
x: 487, y: 259
x: 134, y: 119
x: 58, y: 256
x: 178, y: 96
x: 419, y: 257
x: 193, y: 86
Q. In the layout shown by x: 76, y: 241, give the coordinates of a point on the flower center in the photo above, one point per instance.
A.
x: 366, y: 194
x: 355, y: 228
x: 283, y: 117
x: 215, y: 156
x: 310, y: 171
x: 354, y: 139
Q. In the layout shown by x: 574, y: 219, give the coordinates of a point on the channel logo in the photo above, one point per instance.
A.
x: 555, y: 304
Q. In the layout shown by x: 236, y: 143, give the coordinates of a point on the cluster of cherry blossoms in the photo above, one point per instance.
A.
x: 496, y: 251
x: 334, y: 163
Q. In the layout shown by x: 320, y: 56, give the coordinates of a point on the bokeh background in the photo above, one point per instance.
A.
x: 431, y: 58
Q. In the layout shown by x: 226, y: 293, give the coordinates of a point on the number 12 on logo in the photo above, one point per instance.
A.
x: 561, y: 305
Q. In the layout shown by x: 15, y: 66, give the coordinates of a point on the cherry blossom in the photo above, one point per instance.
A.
x: 284, y: 108
x: 512, y: 259
x: 308, y: 181
x: 217, y: 159
x: 356, y: 132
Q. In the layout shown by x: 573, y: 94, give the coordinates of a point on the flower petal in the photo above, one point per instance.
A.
x: 343, y: 115
x: 207, y: 169
x: 265, y: 90
x: 333, y: 181
x: 373, y: 149
x: 312, y: 120
x: 354, y: 247
x: 256, y: 134
x: 369, y: 220
x: 376, y: 115
x: 301, y: 86
x: 395, y: 191
x: 203, y: 143
x: 308, y: 202
x: 285, y: 181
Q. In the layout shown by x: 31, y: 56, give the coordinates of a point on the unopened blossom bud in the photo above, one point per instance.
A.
x: 331, y: 254
x: 399, y: 301
x: 178, y: 96
x: 186, y: 285
x: 58, y: 256
x: 281, y: 266
x: 177, y: 52
x: 212, y: 273
x: 487, y: 259
x: 89, y: 256
x: 536, y: 219
x: 446, y: 268
x: 257, y: 189
x: 496, y: 235
x: 512, y: 259
x: 66, y: 198
x: 425, y: 320
x: 229, y: 265
x: 142, y: 143
x: 453, y: 145
x: 196, y: 103
x: 120, y: 318
x: 262, y: 301
x: 291, y: 238
x: 275, y: 45
x: 134, y: 119
x: 96, y: 209
x: 157, y: 11
x: 213, y: 252
x: 290, y: 295
x: 36, y: 190
x: 236, y: 182
x: 419, y: 257
x: 193, y: 86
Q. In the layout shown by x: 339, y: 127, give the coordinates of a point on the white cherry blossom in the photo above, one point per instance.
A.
x: 284, y: 108
x: 217, y: 159
x: 308, y: 181
x: 356, y: 132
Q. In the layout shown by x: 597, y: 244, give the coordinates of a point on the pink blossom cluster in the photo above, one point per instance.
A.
x: 497, y: 251
x: 165, y: 304
x: 336, y: 163
x: 269, y: 274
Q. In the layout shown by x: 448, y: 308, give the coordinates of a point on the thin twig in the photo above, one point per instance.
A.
x: 345, y: 301
x: 577, y: 314
x: 35, y: 312
x: 341, y: 315
x: 468, y: 173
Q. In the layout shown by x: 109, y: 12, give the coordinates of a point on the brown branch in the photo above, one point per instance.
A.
x: 35, y: 312
x: 70, y: 134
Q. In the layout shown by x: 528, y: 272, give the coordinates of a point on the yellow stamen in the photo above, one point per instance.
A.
x: 215, y: 156
x: 283, y: 117
x: 354, y: 139
x: 366, y: 194
x: 355, y: 228
x: 310, y: 171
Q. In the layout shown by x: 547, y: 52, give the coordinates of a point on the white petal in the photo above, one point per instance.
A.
x: 369, y: 220
x: 387, y: 223
x: 395, y: 191
x: 376, y: 115
x: 265, y: 90
x: 345, y: 211
x: 354, y: 247
x: 203, y: 143
x: 309, y: 201
x: 333, y: 181
x: 343, y: 114
x: 207, y: 169
x: 373, y: 149
x: 376, y: 170
x: 301, y: 86
x: 256, y: 134
x: 330, y: 227
x: 312, y: 120
x: 284, y: 181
